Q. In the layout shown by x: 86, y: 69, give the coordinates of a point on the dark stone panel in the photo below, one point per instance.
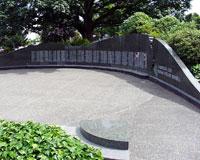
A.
x: 125, y: 58
x: 169, y: 68
x: 81, y: 56
x: 72, y: 55
x: 96, y: 56
x: 118, y: 58
x: 88, y: 56
x: 103, y: 57
x: 131, y: 56
x: 111, y: 57
x: 107, y: 133
x: 136, y: 52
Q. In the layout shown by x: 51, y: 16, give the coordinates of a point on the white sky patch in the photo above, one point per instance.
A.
x: 32, y: 36
x: 195, y: 8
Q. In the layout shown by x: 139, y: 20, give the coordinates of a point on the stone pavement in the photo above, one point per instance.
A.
x: 163, y: 126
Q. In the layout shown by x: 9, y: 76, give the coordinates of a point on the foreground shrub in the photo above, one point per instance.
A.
x: 186, y: 43
x: 33, y: 141
x: 196, y: 71
x: 138, y: 23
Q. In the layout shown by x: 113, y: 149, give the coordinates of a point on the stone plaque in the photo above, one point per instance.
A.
x: 111, y: 57
x: 124, y: 58
x: 95, y: 56
x: 63, y: 56
x: 88, y: 56
x: 41, y: 56
x: 118, y: 57
x: 67, y: 56
x: 130, y: 59
x: 103, y: 57
x: 141, y: 60
x: 145, y: 61
x: 37, y: 56
x: 72, y: 54
x: 50, y: 56
x: 58, y: 56
x: 33, y: 56
x: 54, y: 56
x: 46, y: 56
x: 80, y: 56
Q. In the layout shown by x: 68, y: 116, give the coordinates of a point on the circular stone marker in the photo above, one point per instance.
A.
x: 106, y: 133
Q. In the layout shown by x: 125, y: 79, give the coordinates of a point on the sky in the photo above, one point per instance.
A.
x: 194, y: 8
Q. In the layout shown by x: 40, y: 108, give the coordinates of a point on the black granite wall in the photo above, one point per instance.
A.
x: 129, y: 53
x: 168, y: 68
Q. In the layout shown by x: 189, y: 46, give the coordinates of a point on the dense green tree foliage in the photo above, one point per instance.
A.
x: 186, y: 42
x: 138, y: 23
x: 165, y: 24
x: 56, y: 20
x: 193, y: 18
x: 12, y: 23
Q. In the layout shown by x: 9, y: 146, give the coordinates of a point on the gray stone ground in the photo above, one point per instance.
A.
x: 162, y: 125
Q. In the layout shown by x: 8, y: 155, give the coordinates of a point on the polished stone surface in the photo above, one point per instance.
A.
x: 108, y: 153
x: 163, y: 126
x: 105, y: 132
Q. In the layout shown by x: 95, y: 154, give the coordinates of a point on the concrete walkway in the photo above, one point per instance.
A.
x: 163, y: 126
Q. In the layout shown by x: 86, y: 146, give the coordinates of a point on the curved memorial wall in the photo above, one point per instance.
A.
x: 134, y: 54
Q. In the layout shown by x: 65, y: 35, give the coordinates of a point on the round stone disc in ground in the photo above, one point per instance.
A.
x: 107, y: 133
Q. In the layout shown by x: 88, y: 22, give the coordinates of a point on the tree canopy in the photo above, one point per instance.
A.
x: 57, y: 20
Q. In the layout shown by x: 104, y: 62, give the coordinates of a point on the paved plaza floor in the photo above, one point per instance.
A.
x: 163, y: 126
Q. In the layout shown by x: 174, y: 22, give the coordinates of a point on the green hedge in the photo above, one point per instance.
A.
x: 33, y: 141
x: 186, y: 43
x: 183, y: 37
x: 138, y: 23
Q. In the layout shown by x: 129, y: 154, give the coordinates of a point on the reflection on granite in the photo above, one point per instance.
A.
x: 108, y: 133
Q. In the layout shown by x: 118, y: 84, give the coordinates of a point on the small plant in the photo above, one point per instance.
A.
x: 196, y: 71
x: 33, y: 141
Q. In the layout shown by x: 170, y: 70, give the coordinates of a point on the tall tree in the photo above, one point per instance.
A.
x: 60, y: 18
x: 90, y: 14
x: 12, y: 24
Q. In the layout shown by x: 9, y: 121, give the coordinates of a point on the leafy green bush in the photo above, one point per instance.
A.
x: 193, y: 17
x: 79, y: 41
x: 9, y: 43
x: 33, y: 141
x: 186, y: 43
x: 196, y: 71
x: 166, y: 23
x: 138, y: 23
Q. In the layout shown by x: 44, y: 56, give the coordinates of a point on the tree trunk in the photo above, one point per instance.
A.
x: 87, y: 31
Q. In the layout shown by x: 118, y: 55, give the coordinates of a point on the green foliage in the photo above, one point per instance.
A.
x: 78, y: 40
x: 193, y: 18
x: 9, y: 43
x: 165, y: 24
x: 33, y: 141
x: 12, y: 32
x: 186, y: 43
x: 61, y: 18
x: 196, y: 71
x: 138, y: 23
